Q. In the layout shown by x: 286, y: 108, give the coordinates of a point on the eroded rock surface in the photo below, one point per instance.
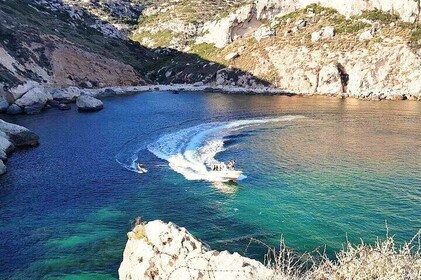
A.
x: 159, y: 250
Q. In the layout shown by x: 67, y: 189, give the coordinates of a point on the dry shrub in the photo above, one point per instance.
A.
x: 383, y: 260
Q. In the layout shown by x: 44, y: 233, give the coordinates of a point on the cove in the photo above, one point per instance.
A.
x: 340, y: 170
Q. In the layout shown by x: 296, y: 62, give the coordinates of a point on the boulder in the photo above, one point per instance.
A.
x: 64, y: 107
x: 3, y: 106
x: 159, y: 250
x: 19, y: 135
x: 366, y: 35
x: 20, y: 90
x: 231, y: 56
x: 88, y: 103
x: 330, y: 80
x: 14, y: 110
x: 264, y: 31
x: 66, y: 95
x: 221, y: 77
x: 34, y: 108
x: 6, y: 146
x: 8, y: 96
x: 327, y: 32
x: 2, y: 168
x: 108, y: 91
x: 53, y: 103
x: 34, y: 100
x: 300, y: 24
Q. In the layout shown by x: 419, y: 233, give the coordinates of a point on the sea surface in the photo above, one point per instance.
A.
x: 317, y: 171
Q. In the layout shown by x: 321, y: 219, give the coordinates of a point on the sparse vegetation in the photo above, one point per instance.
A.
x: 416, y: 36
x: 348, y: 26
x: 318, y: 9
x: 160, y: 39
x: 377, y: 15
x: 383, y: 260
x: 138, y: 232
x: 205, y: 51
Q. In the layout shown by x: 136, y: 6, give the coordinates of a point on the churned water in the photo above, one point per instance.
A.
x: 316, y: 171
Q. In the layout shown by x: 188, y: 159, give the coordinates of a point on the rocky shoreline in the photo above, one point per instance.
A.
x: 31, y: 98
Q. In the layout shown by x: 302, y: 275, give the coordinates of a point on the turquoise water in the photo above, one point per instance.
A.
x: 335, y: 169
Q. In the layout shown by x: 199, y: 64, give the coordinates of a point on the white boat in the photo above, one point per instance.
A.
x: 224, y: 172
x: 141, y: 168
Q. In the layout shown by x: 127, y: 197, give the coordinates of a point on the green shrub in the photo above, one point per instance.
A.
x: 377, y: 15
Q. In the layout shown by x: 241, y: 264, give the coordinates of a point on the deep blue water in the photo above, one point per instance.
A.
x: 341, y: 171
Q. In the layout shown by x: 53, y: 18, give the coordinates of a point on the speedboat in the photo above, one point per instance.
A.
x: 225, y: 172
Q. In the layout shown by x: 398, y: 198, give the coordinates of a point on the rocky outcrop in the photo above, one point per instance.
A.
x: 11, y: 136
x: 159, y: 250
x: 19, y: 135
x: 34, y: 100
x: 223, y: 32
x: 111, y: 15
x: 330, y: 81
x: 86, y: 103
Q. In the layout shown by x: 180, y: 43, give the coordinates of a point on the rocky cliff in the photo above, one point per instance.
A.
x: 158, y: 250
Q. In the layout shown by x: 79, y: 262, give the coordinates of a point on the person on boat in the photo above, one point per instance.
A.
x: 140, y: 166
x: 231, y: 164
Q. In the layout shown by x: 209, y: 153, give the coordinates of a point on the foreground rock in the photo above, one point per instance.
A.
x: 11, y: 136
x: 19, y: 135
x: 158, y: 250
x: 6, y: 146
x: 87, y: 103
x: 2, y: 168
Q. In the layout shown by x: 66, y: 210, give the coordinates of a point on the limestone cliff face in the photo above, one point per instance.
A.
x: 387, y: 71
x: 159, y: 250
x: 317, y: 50
x: 249, y: 17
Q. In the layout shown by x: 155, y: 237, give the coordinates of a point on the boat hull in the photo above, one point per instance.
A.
x: 226, y: 175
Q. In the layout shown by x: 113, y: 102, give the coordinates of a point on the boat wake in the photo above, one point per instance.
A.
x: 191, y: 150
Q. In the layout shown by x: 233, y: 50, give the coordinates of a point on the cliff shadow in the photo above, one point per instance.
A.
x: 33, y: 32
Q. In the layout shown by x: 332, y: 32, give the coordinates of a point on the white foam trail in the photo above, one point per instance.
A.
x: 190, y: 151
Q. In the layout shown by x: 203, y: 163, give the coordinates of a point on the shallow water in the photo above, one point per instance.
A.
x: 341, y: 169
